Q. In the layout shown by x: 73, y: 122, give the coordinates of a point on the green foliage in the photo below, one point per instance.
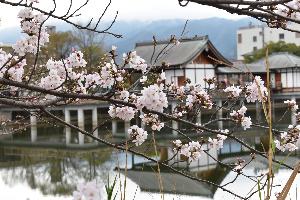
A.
x: 273, y: 47
x: 110, y: 189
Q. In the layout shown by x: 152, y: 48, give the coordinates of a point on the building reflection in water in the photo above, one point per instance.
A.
x: 56, y: 169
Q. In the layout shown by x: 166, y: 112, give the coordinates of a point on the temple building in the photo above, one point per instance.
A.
x: 284, y: 72
x: 192, y: 59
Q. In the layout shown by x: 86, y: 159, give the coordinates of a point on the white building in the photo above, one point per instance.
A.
x: 194, y: 59
x: 254, y: 37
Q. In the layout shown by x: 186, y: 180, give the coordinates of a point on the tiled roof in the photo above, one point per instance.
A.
x: 175, y: 55
x: 278, y: 60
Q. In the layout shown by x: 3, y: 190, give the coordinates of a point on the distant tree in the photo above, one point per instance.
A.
x: 273, y: 47
x: 90, y: 43
x: 60, y: 45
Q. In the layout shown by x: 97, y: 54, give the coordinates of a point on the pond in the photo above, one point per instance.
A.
x: 50, y: 169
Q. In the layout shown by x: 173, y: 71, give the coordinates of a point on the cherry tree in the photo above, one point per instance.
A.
x: 66, y: 81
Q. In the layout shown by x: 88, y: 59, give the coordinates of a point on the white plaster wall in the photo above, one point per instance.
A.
x: 290, y: 79
x: 172, y: 74
x: 247, y: 43
x: 190, y: 74
x: 270, y: 34
x: 197, y: 72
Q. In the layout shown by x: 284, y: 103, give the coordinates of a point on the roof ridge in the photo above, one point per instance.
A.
x: 186, y: 39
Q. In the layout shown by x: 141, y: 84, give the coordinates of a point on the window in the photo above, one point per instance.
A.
x: 281, y: 36
x: 254, y: 38
x: 260, y: 33
x: 297, y: 35
x: 178, y: 80
x: 181, y: 80
x: 254, y: 48
x: 239, y: 38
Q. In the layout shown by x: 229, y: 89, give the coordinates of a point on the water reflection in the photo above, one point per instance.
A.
x: 52, y: 172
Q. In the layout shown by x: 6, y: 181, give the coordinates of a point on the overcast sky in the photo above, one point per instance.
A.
x: 128, y: 10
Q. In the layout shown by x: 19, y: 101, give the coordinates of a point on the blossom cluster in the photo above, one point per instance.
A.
x: 234, y: 91
x: 190, y: 150
x: 137, y: 134
x: 292, y: 105
x: 11, y: 66
x: 37, y: 36
x: 290, y: 10
x: 125, y: 113
x: 135, y: 62
x: 217, y: 143
x: 256, y: 91
x: 239, y: 116
x: 110, y: 74
x: 153, y: 98
x: 89, y: 191
x: 153, y: 121
x: 197, y: 95
x: 61, y: 70
x: 288, y: 140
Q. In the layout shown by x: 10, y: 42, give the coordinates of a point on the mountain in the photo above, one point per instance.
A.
x: 222, y: 32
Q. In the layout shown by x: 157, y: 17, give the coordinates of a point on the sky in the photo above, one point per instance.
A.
x: 142, y: 10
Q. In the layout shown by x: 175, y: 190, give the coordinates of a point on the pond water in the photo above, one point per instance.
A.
x: 48, y: 169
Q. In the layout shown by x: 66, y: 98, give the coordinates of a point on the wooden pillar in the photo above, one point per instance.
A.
x: 114, y: 127
x: 143, y: 125
x: 67, y: 128
x: 33, y: 127
x: 273, y: 110
x: 80, y: 115
x: 198, y: 117
x: 95, y: 121
x: 293, y: 114
x: 220, y: 114
x: 258, y: 111
x: 174, y: 123
x: 126, y: 127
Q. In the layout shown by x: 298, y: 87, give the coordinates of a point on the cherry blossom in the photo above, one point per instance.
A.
x: 292, y: 105
x: 239, y: 117
x: 125, y: 113
x: 110, y: 74
x: 153, y: 121
x: 113, y: 48
x: 138, y: 135
x: 143, y: 79
x: 89, y: 191
x: 136, y: 62
x: 153, y: 98
x: 197, y: 95
x: 177, y: 144
x: 191, y: 150
x: 288, y: 139
x: 37, y: 35
x: 246, y: 122
x: 162, y: 77
x: 234, y: 91
x: 124, y: 95
x: 256, y: 91
x: 218, y: 142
